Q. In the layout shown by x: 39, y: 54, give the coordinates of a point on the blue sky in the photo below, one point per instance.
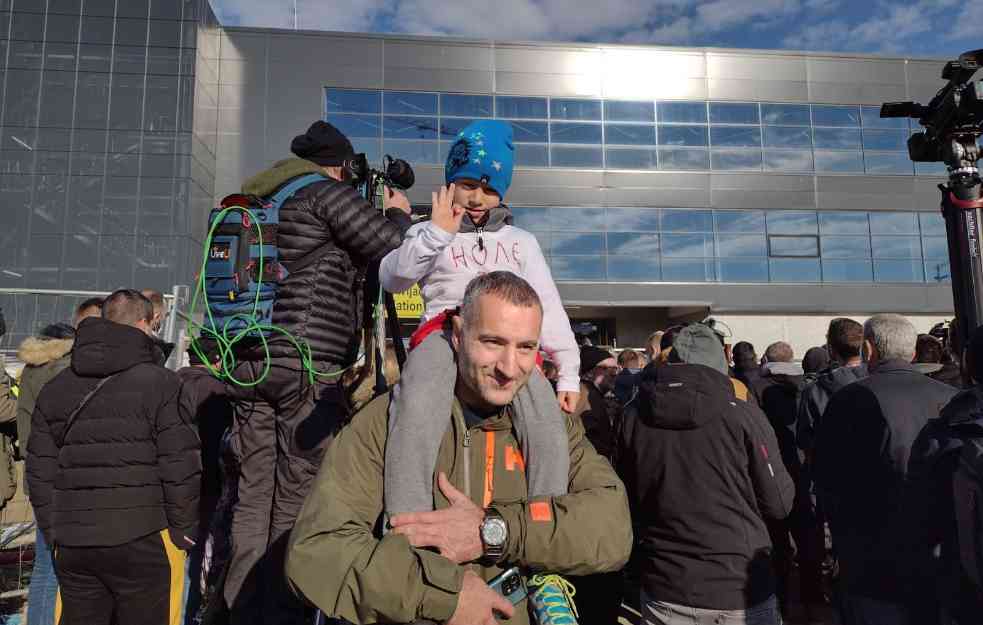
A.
x: 933, y: 28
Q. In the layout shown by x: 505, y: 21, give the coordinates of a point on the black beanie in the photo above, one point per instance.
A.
x: 58, y: 331
x: 591, y: 356
x: 323, y: 144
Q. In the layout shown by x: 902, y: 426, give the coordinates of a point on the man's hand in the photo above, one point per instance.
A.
x: 393, y: 198
x: 446, y: 215
x: 454, y: 531
x: 568, y: 401
x: 477, y: 604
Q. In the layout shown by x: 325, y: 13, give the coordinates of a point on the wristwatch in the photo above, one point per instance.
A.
x: 494, y: 535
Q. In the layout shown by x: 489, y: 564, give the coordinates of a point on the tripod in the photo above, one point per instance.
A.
x: 962, y: 208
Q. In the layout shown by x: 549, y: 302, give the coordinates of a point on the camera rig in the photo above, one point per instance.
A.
x: 397, y: 174
x: 953, y: 123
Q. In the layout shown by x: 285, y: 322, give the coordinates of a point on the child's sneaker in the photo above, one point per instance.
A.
x: 552, y: 600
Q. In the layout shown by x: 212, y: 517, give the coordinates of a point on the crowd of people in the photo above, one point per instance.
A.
x: 510, y: 474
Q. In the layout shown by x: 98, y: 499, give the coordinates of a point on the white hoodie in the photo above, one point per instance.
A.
x: 443, y: 264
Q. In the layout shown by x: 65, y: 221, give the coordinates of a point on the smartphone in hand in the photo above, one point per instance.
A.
x: 511, y: 585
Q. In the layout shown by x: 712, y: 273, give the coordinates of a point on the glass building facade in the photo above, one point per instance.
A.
x: 101, y: 162
x: 671, y: 179
x: 615, y: 244
x: 635, y: 135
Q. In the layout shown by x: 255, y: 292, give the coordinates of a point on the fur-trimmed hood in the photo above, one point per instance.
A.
x: 37, y: 351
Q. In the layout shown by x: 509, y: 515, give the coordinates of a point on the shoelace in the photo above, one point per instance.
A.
x: 556, y: 595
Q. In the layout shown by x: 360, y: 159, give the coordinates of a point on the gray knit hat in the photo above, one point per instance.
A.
x: 697, y: 344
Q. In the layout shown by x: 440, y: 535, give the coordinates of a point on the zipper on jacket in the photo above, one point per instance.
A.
x: 481, y: 243
x: 467, y: 452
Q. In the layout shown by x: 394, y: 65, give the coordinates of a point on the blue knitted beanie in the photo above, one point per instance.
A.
x: 484, y: 152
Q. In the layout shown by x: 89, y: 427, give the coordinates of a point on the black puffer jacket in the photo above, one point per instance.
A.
x: 321, y: 303
x: 703, y: 473
x: 129, y: 465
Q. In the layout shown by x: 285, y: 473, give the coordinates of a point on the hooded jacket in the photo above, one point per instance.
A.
x: 703, y: 474
x: 321, y: 303
x: 815, y: 397
x: 43, y: 359
x: 443, y: 264
x: 861, y: 463
x: 129, y: 465
x: 777, y: 390
x: 339, y: 560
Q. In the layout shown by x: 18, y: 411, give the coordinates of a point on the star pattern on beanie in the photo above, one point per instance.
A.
x: 483, y: 151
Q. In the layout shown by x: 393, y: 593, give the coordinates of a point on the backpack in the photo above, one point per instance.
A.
x: 238, y: 297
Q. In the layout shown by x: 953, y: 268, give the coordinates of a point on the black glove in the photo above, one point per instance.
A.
x: 181, y: 540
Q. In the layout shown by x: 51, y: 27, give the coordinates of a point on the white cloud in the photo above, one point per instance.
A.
x: 887, y: 25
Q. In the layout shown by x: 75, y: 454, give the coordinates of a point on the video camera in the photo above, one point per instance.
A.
x: 397, y: 175
x: 953, y: 123
x: 953, y: 120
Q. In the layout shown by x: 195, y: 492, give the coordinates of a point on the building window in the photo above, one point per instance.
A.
x: 634, y: 135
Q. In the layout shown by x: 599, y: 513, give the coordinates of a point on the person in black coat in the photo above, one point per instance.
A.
x: 861, y: 467
x: 114, y: 472
x: 703, y: 473
x: 943, y: 499
x: 285, y: 423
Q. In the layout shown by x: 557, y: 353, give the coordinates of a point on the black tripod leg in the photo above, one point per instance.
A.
x: 392, y: 323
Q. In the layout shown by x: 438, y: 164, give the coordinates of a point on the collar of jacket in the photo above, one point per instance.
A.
x: 501, y: 420
x: 781, y: 368
x: 266, y: 182
x: 103, y: 348
x: 498, y: 218
x: 36, y: 351
x: 893, y: 365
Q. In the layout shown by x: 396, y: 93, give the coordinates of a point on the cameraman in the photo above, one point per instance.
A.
x: 283, y: 424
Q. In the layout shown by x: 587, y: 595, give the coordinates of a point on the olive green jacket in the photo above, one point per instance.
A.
x: 8, y: 415
x: 339, y: 561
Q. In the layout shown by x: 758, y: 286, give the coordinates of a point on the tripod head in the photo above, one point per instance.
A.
x: 953, y: 123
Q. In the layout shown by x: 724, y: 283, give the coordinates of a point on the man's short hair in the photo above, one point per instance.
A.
x: 128, y: 307
x: 503, y: 284
x: 630, y: 359
x: 156, y: 299
x: 779, y: 351
x: 928, y: 349
x: 845, y: 338
x: 744, y: 355
x: 92, y: 302
x: 893, y: 336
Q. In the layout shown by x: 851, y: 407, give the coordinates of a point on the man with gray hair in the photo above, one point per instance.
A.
x: 861, y: 467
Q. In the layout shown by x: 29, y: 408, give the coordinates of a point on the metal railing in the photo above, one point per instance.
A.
x: 28, y: 311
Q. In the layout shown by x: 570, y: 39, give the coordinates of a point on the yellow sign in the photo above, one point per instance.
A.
x: 409, y: 304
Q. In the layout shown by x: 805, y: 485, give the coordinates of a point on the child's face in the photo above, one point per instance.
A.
x: 475, y: 198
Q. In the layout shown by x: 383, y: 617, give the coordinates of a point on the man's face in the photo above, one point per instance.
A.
x: 496, y: 351
x: 604, y: 374
x: 476, y: 199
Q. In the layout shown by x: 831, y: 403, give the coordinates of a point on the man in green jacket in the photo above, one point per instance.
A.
x: 435, y: 565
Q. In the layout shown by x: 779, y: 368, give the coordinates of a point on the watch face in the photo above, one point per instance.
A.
x: 493, y: 532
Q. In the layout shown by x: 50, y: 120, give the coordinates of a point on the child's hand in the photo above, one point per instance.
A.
x: 568, y: 401
x: 446, y: 215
